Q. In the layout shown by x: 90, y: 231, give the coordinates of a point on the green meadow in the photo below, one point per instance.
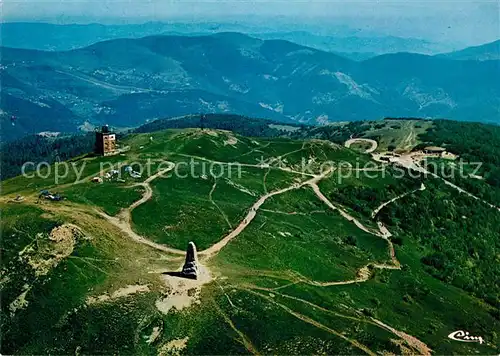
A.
x: 300, y: 278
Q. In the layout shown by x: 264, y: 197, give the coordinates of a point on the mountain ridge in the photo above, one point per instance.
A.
x: 483, y: 52
x: 337, y: 39
x: 235, y: 73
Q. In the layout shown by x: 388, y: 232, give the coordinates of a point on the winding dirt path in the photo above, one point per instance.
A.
x: 410, y: 163
x: 148, y: 194
x: 123, y: 220
x: 261, y: 166
x: 383, y: 205
x: 214, y: 249
x: 412, y: 341
x: 364, y: 273
x: 315, y: 323
x: 346, y: 215
x: 125, y: 227
x: 461, y: 190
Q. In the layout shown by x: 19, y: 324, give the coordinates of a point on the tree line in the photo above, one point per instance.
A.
x: 36, y: 148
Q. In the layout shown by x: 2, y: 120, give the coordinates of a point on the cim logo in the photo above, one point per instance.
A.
x: 464, y: 336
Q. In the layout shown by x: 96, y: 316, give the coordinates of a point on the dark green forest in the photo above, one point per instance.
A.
x: 38, y: 149
x: 364, y: 198
x: 473, y: 142
x: 335, y: 133
x: 457, y: 235
x: 454, y: 236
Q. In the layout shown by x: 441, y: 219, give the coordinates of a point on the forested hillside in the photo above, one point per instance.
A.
x: 38, y: 149
x: 472, y: 141
x: 458, y: 235
x: 478, y: 145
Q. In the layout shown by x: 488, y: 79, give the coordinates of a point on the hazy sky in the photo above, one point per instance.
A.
x: 469, y: 22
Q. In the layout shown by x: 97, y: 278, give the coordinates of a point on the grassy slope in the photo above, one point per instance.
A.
x: 107, y: 196
x: 182, y: 203
x: 401, y: 134
x: 56, y: 318
x: 278, y: 249
x: 297, y: 234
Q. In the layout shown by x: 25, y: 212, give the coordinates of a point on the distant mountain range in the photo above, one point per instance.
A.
x: 54, y: 37
x: 347, y: 42
x: 487, y: 52
x: 358, y: 47
x: 127, y: 82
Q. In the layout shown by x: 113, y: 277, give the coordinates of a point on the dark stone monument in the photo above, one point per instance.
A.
x: 190, y: 268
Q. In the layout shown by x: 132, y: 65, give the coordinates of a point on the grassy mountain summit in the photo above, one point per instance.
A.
x: 125, y: 82
x: 293, y: 260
